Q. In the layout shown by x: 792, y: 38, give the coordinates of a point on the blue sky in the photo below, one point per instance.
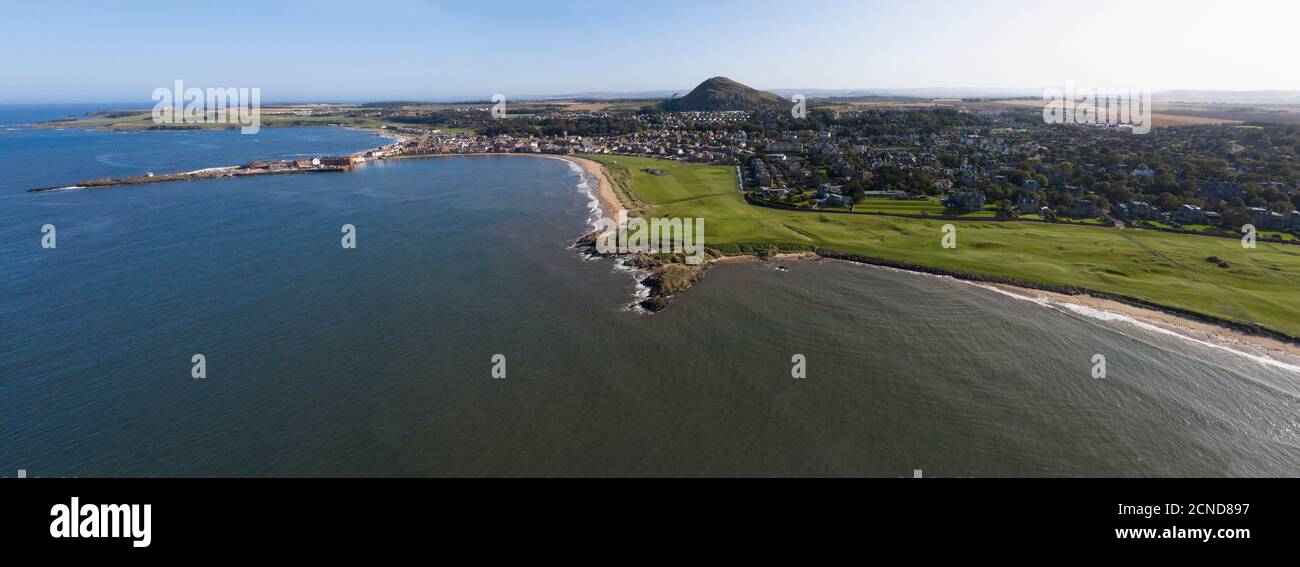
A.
x: 119, y: 51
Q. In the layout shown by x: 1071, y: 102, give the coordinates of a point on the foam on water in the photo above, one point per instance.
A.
x: 1110, y: 316
x: 640, y: 292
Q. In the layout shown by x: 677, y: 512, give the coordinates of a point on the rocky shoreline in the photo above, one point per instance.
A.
x: 664, y: 275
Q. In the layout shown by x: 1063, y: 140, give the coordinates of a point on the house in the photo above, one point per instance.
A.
x: 790, y: 148
x: 1027, y: 204
x: 827, y: 189
x: 1144, y: 171
x: 335, y: 161
x: 1032, y: 185
x: 1189, y: 214
x: 1264, y: 218
x: 1141, y: 210
x: 966, y: 201
x: 1084, y: 208
x: 836, y: 200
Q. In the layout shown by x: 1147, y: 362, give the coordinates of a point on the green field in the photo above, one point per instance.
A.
x: 1218, y: 230
x: 899, y: 207
x: 1260, y: 286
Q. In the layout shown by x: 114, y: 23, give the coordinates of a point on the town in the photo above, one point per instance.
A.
x: 967, y: 160
x: 976, y: 163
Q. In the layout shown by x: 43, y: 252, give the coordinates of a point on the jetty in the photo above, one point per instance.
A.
x: 263, y: 167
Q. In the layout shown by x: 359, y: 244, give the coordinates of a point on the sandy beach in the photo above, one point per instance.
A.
x: 1281, y: 351
x: 609, y: 202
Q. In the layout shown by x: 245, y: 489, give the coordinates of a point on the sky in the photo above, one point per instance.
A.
x: 57, y: 51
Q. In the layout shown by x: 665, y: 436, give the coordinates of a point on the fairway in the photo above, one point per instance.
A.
x: 1258, y: 286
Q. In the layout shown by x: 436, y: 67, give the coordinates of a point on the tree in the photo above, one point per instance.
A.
x: 1102, y: 203
x: 1005, y: 210
x: 1167, y: 201
x: 1235, y: 218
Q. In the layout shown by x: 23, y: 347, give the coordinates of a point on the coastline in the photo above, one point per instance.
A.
x: 1275, y: 348
x: 610, y: 204
x: 1281, y: 349
x: 1264, y: 349
x: 1267, y: 347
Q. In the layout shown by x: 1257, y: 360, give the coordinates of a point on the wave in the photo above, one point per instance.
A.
x: 594, y: 211
x: 1094, y: 313
x: 585, y: 185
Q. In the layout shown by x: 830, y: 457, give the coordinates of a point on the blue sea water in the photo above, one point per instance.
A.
x: 16, y: 115
x: 42, y: 157
x: 377, y: 361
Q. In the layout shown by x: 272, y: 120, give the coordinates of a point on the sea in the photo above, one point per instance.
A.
x: 465, y: 336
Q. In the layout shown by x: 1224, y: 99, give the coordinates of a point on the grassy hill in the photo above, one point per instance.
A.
x: 1258, y: 286
x: 721, y: 93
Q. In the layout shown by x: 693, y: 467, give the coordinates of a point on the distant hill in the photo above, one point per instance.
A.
x: 721, y: 93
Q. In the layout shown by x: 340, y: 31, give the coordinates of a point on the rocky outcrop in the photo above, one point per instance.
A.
x: 667, y: 280
x: 665, y: 275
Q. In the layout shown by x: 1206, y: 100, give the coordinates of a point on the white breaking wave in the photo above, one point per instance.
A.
x: 594, y: 211
x: 640, y: 291
x: 1110, y: 316
x: 207, y: 169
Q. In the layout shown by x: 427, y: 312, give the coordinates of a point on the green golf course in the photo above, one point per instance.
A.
x: 1212, y: 276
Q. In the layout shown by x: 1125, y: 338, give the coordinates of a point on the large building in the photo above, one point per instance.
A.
x: 966, y: 201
